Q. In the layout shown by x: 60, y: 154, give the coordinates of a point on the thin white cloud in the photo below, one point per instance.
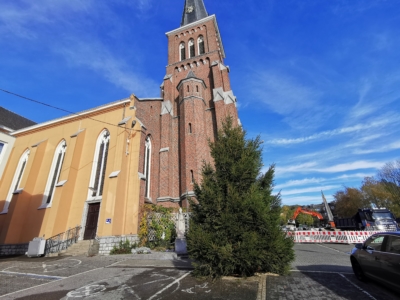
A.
x: 302, y: 200
x: 304, y: 181
x: 44, y: 19
x: 330, y: 133
x: 309, y: 190
x: 384, y: 148
x: 283, y: 94
x: 96, y: 57
x: 344, y: 167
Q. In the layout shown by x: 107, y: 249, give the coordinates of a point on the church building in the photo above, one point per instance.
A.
x: 96, y: 168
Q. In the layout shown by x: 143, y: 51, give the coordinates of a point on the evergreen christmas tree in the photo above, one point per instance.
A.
x: 234, y: 227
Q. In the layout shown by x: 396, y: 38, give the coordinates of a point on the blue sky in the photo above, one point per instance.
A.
x: 318, y: 80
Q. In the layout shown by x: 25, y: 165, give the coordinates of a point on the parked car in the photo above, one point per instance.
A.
x: 378, y: 258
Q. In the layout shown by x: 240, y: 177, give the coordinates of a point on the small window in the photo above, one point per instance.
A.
x: 2, y: 150
x: 182, y: 51
x: 197, y: 88
x: 191, y: 176
x: 200, y: 42
x: 393, y: 245
x: 190, y: 127
x: 375, y: 243
x: 188, y: 89
x: 191, y: 48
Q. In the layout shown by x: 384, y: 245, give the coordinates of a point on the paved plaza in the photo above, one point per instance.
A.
x: 319, y: 272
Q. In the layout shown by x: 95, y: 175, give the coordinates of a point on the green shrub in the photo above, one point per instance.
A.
x: 164, y: 228
x: 123, y: 248
x: 234, y: 228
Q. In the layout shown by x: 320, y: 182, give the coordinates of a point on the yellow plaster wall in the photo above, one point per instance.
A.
x: 120, y: 202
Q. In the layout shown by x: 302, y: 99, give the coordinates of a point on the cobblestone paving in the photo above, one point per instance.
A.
x: 321, y: 286
x: 323, y: 271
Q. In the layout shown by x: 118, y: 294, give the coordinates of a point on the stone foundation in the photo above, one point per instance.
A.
x: 107, y: 243
x: 13, y: 249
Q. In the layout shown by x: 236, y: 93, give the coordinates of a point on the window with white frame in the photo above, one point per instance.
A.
x: 191, y: 48
x: 147, y: 165
x: 182, y: 51
x: 54, y: 174
x: 2, y: 150
x: 15, y: 184
x: 200, y: 43
x: 99, y: 166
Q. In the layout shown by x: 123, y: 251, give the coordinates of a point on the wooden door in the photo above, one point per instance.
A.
x: 91, y: 221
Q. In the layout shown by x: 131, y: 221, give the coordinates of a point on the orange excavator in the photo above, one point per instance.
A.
x: 299, y: 210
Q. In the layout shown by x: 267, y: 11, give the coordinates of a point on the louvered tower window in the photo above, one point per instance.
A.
x: 16, y: 183
x: 182, y: 51
x: 55, y: 172
x: 147, y: 165
x: 191, y: 48
x: 200, y: 43
x: 99, y: 166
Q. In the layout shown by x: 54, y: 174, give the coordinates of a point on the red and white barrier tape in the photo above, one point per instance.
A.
x: 345, y: 237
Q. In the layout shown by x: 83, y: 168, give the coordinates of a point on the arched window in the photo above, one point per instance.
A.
x: 54, y: 174
x: 200, y: 43
x: 182, y: 51
x: 191, y: 49
x: 15, y: 183
x: 147, y: 165
x: 99, y: 166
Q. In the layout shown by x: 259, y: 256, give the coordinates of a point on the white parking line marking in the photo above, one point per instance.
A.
x: 365, y: 292
x: 32, y: 274
x: 324, y: 272
x: 169, y: 285
x: 333, y: 249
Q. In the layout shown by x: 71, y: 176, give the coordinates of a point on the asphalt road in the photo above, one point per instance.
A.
x: 319, y: 272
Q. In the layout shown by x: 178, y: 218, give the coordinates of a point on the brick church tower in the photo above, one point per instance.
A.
x: 196, y: 97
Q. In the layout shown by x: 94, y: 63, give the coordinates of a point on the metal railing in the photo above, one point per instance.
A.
x: 62, y: 241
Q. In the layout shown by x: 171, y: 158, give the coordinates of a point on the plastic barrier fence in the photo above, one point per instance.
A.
x: 345, y: 237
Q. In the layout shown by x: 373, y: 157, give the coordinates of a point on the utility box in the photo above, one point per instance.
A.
x: 36, y: 247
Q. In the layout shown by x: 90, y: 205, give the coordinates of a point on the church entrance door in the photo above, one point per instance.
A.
x: 91, y: 221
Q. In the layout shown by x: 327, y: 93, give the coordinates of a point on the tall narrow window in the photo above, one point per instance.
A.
x: 182, y: 51
x: 190, y: 127
x: 200, y: 43
x: 99, y: 166
x: 188, y: 89
x: 54, y: 175
x: 2, y: 150
x: 147, y: 165
x: 197, y: 88
x: 191, y: 48
x: 15, y: 184
x: 191, y: 176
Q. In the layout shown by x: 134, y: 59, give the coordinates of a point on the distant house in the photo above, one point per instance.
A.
x: 9, y: 122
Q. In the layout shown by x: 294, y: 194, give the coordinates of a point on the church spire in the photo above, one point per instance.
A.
x: 193, y: 11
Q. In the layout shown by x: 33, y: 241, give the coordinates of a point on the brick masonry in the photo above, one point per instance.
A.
x: 189, y: 112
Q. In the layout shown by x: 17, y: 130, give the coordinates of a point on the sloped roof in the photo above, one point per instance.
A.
x: 12, y: 120
x: 193, y: 11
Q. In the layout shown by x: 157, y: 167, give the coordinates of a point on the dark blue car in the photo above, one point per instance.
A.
x: 378, y: 258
